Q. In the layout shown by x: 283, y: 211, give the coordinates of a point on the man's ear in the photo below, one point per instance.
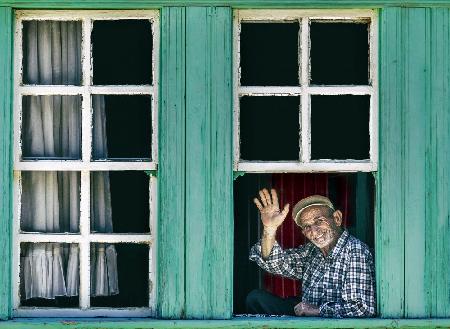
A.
x: 337, y: 216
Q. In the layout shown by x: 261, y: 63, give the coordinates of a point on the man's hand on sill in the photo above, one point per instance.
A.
x: 305, y: 309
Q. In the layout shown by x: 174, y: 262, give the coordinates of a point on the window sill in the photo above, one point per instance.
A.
x: 240, y: 322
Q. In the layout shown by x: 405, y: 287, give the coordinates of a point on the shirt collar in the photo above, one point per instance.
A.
x: 339, y: 244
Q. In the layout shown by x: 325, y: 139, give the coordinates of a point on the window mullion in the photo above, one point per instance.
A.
x: 85, y: 210
x: 305, y: 129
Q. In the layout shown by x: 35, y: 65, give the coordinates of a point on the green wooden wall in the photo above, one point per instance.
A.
x: 413, y: 230
x: 6, y: 24
x: 195, y: 214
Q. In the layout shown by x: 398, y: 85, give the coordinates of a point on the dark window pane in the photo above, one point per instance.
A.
x: 52, y: 52
x: 49, y: 274
x: 51, y: 127
x: 126, y: 195
x: 122, y: 52
x: 50, y: 201
x: 339, y: 53
x: 269, y: 128
x: 340, y: 127
x: 132, y: 274
x: 125, y: 123
x: 269, y: 54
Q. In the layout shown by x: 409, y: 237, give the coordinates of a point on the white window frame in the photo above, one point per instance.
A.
x: 85, y: 166
x: 304, y: 90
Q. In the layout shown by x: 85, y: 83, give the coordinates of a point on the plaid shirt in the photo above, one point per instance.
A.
x: 341, y: 284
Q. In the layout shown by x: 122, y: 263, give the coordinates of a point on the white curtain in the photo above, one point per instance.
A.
x: 50, y: 200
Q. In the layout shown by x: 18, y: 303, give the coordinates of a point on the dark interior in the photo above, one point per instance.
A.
x: 133, y: 269
x: 340, y: 127
x: 269, y: 54
x: 129, y: 201
x: 353, y: 194
x: 128, y: 127
x: 269, y: 128
x: 122, y: 52
x: 339, y: 53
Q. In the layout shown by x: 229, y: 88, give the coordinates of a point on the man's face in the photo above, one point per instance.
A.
x: 320, y: 225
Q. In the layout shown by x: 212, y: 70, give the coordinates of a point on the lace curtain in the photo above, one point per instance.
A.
x: 50, y: 200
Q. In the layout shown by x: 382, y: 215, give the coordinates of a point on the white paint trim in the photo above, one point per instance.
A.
x: 305, y: 90
x: 153, y: 252
x: 339, y: 90
x: 84, y: 244
x: 17, y: 188
x: 63, y: 15
x: 316, y: 166
x: 86, y: 237
x: 269, y: 91
x: 80, y: 313
x: 304, y: 101
x: 236, y: 86
x: 74, y: 165
x: 155, y: 82
x: 270, y: 15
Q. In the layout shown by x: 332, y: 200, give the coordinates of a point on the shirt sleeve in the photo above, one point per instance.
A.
x: 288, y: 263
x: 358, y: 294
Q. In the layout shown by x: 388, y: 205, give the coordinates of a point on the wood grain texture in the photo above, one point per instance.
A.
x: 209, y: 174
x: 390, y: 197
x: 171, y: 173
x: 415, y: 38
x: 6, y: 173
x: 437, y: 223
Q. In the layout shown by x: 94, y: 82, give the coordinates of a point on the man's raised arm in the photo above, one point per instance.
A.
x: 271, y: 217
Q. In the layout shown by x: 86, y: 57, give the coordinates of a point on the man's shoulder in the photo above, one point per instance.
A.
x: 356, y: 246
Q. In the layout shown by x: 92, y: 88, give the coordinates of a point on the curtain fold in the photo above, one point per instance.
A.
x: 51, y: 128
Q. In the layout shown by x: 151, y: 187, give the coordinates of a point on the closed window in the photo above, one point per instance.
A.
x: 85, y: 147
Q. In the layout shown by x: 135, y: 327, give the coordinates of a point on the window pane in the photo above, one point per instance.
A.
x: 340, y: 127
x: 122, y: 52
x: 269, y: 54
x: 339, y: 53
x: 122, y: 127
x: 50, y: 201
x: 52, y: 52
x: 51, y: 127
x: 49, y: 274
x: 120, y: 202
x: 353, y: 194
x: 269, y: 128
x: 126, y: 287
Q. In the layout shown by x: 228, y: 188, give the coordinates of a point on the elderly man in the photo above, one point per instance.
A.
x: 336, y: 269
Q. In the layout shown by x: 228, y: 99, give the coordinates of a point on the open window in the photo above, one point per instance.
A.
x: 85, y: 159
x: 305, y: 122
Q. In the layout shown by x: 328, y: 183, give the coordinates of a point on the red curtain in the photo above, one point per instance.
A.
x: 291, y: 188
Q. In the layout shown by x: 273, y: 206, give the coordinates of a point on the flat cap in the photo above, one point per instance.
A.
x: 313, y: 200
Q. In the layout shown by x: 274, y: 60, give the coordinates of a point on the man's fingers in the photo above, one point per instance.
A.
x: 258, y: 204
x: 285, y: 210
x: 267, y: 195
x: 275, y: 198
x: 263, y: 197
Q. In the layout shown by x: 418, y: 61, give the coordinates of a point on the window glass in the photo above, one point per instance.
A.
x: 122, y: 52
x: 51, y: 52
x: 339, y: 53
x: 269, y: 128
x: 340, y: 127
x: 269, y: 54
x: 124, y: 121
